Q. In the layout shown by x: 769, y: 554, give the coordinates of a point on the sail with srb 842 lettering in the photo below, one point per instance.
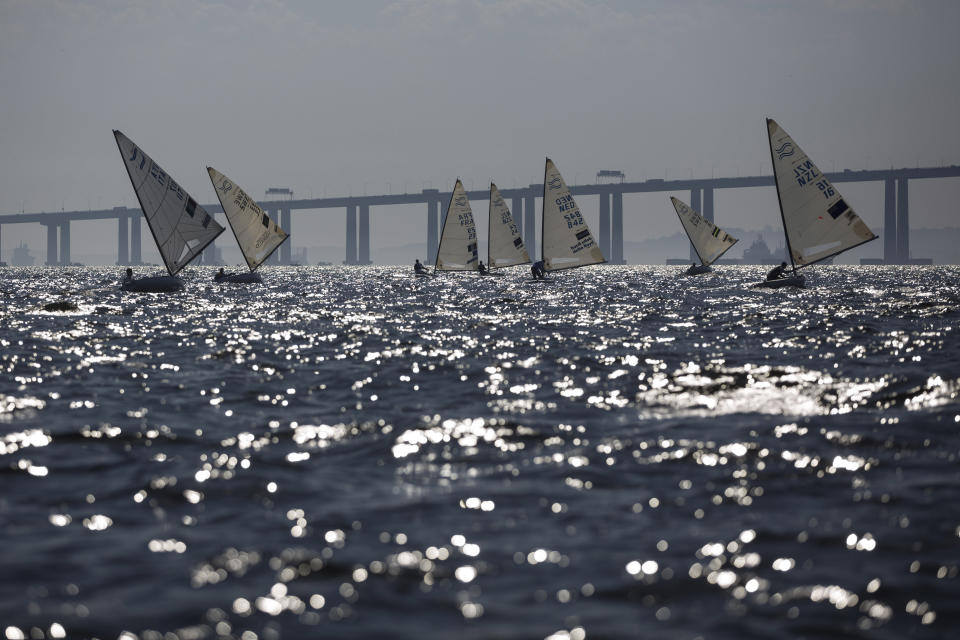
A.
x: 817, y: 220
x: 566, y: 239
x: 181, y: 228
x: 257, y: 235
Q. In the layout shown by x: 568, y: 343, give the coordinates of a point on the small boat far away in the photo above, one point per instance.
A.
x: 457, y: 250
x: 504, y: 245
x: 257, y: 235
x: 181, y: 228
x: 708, y: 240
x: 817, y: 221
x: 566, y: 241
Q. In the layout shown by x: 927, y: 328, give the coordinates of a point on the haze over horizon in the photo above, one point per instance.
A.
x: 339, y: 98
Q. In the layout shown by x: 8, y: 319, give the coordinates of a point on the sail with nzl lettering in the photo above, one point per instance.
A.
x: 566, y: 239
x: 180, y: 227
x: 708, y: 240
x: 817, y: 220
x: 257, y: 235
x: 505, y: 246
x: 458, y: 240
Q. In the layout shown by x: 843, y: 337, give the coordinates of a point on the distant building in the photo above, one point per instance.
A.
x: 21, y: 256
x: 759, y: 253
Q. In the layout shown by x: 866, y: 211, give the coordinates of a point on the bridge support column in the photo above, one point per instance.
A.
x: 695, y: 204
x: 530, y: 222
x: 516, y: 210
x: 52, y: 256
x: 708, y: 204
x: 285, y: 248
x: 65, y: 243
x: 890, y: 255
x: 135, y: 240
x: 616, y: 231
x: 351, y: 257
x: 123, y: 243
x: 209, y: 255
x: 605, y: 224
x: 363, y: 249
x: 903, y: 222
x: 433, y: 211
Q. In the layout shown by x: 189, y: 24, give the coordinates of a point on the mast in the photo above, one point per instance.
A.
x: 117, y: 134
x: 489, y: 225
x: 543, y: 206
x: 443, y: 227
x: 776, y: 183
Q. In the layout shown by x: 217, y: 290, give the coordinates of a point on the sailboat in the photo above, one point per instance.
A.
x: 458, y: 239
x: 181, y: 228
x: 257, y: 235
x: 566, y: 241
x: 817, y: 221
x: 504, y: 244
x: 708, y: 240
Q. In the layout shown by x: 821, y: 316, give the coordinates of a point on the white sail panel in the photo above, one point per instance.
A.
x: 817, y: 220
x: 708, y: 240
x: 458, y: 240
x: 567, y: 241
x: 505, y: 247
x: 180, y: 227
x: 257, y: 235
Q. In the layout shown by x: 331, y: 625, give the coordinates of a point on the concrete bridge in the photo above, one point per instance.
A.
x: 896, y: 216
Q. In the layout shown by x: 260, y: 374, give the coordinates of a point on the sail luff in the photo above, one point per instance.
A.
x: 566, y: 239
x: 136, y: 192
x: 165, y: 219
x: 490, y: 229
x: 818, y: 221
x: 776, y: 183
x: 257, y: 235
x: 504, y: 242
x: 457, y: 249
x: 704, y: 236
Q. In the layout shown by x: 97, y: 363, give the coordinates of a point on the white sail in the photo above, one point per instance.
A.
x: 257, y: 235
x: 566, y: 239
x: 817, y: 220
x: 458, y: 240
x: 505, y: 246
x: 180, y: 227
x: 708, y: 240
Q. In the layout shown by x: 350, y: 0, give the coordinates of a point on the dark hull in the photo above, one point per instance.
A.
x: 156, y: 284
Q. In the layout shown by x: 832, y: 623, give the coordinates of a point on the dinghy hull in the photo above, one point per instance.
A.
x: 792, y: 281
x: 157, y: 284
x: 696, y: 270
x: 248, y: 277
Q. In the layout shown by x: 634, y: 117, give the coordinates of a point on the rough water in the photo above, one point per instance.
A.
x: 357, y: 453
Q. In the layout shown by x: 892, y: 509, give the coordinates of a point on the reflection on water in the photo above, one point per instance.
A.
x: 358, y: 453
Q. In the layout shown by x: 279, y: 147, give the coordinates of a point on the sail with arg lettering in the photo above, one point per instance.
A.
x: 257, y: 235
x: 180, y: 227
x: 817, y: 220
x: 505, y: 246
x: 566, y: 240
x: 458, y: 239
x: 708, y: 240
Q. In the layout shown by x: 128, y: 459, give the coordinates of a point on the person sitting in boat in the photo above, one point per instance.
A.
x: 777, y: 272
x: 482, y: 268
x: 129, y: 276
x: 537, y: 270
x: 220, y: 275
x: 419, y: 268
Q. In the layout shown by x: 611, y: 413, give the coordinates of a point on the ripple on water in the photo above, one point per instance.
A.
x: 617, y: 453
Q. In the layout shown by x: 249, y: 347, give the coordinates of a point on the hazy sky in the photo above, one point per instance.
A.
x: 331, y: 98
